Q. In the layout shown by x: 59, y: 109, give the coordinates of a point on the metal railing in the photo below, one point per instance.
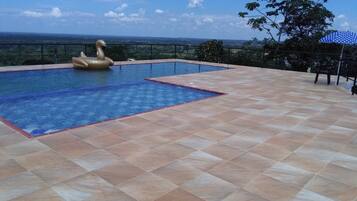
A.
x: 13, y: 54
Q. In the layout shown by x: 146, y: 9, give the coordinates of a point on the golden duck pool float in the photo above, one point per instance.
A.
x: 93, y: 63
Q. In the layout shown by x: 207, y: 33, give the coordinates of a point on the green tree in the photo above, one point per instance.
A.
x: 211, y: 51
x: 288, y: 18
x: 300, y: 22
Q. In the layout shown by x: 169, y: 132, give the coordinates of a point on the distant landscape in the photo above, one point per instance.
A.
x: 8, y: 37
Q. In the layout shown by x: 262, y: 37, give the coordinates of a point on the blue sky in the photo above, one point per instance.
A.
x: 162, y: 18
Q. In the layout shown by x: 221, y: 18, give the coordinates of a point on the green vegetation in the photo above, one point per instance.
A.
x: 300, y: 22
x: 211, y: 51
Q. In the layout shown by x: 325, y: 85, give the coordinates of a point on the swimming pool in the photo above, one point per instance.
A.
x: 46, y: 101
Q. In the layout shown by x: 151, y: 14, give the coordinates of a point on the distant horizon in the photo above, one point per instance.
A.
x: 123, y: 36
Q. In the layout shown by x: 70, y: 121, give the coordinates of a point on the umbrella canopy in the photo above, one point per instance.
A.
x: 341, y: 37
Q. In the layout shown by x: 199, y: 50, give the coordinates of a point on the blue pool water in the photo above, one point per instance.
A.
x: 46, y: 101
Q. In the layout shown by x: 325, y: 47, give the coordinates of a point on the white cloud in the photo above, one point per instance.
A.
x: 195, y: 3
x: 123, y: 17
x: 207, y: 19
x: 159, y: 11
x: 113, y: 14
x: 54, y: 12
x: 173, y: 19
x: 30, y: 13
x: 343, y: 22
x: 345, y: 25
x: 79, y: 14
x: 122, y: 7
x: 342, y: 16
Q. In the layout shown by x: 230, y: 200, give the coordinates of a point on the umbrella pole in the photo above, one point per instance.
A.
x: 339, y: 65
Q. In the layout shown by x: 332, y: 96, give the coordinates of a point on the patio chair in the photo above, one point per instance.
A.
x: 327, y: 66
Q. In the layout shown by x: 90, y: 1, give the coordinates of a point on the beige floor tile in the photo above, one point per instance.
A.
x: 350, y: 149
x: 228, y: 116
x: 173, y: 135
x: 284, y: 143
x: 26, y: 147
x: 332, y: 189
x: 306, y: 195
x: 239, y: 142
x: 271, y: 151
x: 196, y: 142
x: 234, y: 174
x: 345, y: 160
x: 201, y: 160
x: 174, y: 150
x: 242, y: 195
x: 127, y: 149
x: 151, y: 141
x: 150, y: 160
x: 5, y: 130
x: 289, y: 174
x: 9, y: 168
x: 209, y: 188
x: 74, y: 149
x: 223, y: 151
x: 4, y: 156
x: 147, y: 187
x: 253, y: 162
x: 39, y: 159
x: 260, y: 133
x: 58, y: 139
x: 96, y: 160
x: 135, y: 121
x: 339, y: 174
x: 90, y: 188
x: 119, y: 173
x: 20, y: 185
x: 213, y: 134
x: 103, y: 141
x: 179, y: 195
x: 87, y: 131
x: 58, y: 172
x: 177, y: 172
x: 228, y: 128
x: 304, y: 162
x: 319, y: 154
x: 41, y: 195
x: 271, y: 189
x: 12, y: 138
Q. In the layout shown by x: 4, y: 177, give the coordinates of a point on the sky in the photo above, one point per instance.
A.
x: 216, y: 19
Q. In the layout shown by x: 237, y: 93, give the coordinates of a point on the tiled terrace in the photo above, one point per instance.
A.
x: 275, y: 136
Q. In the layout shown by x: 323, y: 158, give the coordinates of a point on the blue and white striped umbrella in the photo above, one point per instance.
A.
x: 341, y: 37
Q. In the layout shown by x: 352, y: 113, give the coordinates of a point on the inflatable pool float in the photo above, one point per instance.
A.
x: 93, y: 63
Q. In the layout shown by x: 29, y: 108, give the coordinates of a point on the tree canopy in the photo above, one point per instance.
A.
x: 210, y: 51
x: 301, y: 23
x: 298, y: 19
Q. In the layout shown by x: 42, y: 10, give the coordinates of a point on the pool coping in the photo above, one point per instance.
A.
x: 118, y: 64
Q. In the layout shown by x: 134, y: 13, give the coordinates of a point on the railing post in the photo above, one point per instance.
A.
x: 175, y: 51
x: 151, y: 56
x: 41, y: 53
x: 56, y: 52
x: 19, y: 54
